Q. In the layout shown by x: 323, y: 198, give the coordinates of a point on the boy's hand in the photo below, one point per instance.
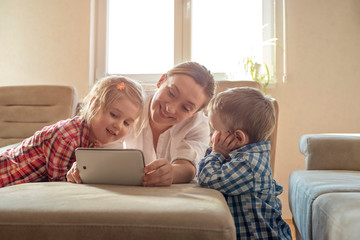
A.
x: 73, y: 175
x: 224, y: 143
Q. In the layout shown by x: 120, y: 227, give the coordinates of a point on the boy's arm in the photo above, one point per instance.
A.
x: 231, y: 178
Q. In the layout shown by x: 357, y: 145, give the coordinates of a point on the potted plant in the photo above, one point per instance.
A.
x: 259, y: 72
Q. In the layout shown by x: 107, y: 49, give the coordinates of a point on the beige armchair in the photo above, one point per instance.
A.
x: 26, y: 109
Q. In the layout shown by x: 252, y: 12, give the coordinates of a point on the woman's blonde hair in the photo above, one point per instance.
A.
x: 246, y: 109
x: 200, y: 74
x: 106, y: 91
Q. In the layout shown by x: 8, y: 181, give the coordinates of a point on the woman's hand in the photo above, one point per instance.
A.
x: 224, y: 143
x: 158, y: 173
x: 73, y: 175
x: 161, y: 172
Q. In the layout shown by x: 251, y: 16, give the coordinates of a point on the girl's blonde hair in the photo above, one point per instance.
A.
x: 246, y: 109
x: 106, y: 91
x: 200, y: 74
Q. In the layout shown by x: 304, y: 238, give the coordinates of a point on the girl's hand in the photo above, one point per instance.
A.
x: 158, y: 173
x: 73, y: 175
x: 224, y: 143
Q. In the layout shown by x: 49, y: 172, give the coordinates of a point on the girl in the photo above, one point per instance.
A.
x: 176, y: 132
x: 110, y: 110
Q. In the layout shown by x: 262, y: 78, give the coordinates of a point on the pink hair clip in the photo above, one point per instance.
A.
x: 163, y: 77
x: 121, y: 86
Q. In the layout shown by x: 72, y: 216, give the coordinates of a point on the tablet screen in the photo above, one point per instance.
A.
x: 110, y: 166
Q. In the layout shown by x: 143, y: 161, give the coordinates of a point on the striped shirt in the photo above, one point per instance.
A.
x: 46, y: 156
x: 246, y: 181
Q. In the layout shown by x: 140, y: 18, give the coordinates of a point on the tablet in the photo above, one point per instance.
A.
x: 110, y: 166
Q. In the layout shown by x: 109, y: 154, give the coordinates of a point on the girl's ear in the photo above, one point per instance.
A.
x: 242, y: 137
x: 161, y: 80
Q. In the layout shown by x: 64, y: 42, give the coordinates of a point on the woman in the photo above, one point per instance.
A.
x: 175, y: 132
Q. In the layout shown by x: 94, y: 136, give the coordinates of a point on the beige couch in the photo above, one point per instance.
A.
x: 77, y: 211
x: 325, y: 197
x: 70, y: 211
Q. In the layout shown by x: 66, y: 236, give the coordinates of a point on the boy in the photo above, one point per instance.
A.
x: 238, y: 164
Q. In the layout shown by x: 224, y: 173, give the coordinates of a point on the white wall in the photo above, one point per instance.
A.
x: 322, y: 92
x: 47, y: 42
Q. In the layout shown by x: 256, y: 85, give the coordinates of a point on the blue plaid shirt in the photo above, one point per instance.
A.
x: 246, y: 181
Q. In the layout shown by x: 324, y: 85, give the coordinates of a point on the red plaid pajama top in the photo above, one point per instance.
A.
x: 46, y: 156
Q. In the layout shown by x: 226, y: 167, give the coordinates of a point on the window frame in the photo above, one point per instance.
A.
x: 182, y: 39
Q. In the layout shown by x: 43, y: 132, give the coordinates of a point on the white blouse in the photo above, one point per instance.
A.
x: 187, y: 140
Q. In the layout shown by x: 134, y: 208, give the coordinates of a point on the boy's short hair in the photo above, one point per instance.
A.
x: 246, y: 109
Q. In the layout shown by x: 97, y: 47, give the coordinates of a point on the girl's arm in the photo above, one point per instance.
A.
x: 60, y: 157
x: 73, y: 174
x: 61, y: 148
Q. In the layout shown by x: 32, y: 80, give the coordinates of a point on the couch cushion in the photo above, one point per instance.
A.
x: 306, y: 185
x: 336, y: 216
x: 77, y: 211
x: 27, y: 109
x: 331, y: 151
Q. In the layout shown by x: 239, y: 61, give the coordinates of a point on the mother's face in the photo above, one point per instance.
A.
x: 178, y: 98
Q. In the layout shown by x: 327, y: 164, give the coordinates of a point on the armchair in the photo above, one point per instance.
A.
x: 324, y: 198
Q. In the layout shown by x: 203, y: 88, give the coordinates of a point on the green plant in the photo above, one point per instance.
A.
x: 259, y: 72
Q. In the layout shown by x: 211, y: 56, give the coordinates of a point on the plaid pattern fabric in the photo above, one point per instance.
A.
x: 246, y: 181
x: 46, y: 156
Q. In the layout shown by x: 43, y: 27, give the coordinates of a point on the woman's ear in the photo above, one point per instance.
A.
x: 161, y: 80
x: 242, y: 137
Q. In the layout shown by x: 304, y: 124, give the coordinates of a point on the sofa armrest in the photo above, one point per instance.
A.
x: 331, y: 151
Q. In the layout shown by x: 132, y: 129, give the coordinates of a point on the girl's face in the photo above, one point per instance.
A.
x: 113, y: 123
x: 177, y: 99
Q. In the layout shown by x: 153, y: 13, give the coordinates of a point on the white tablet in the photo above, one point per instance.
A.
x: 110, y: 166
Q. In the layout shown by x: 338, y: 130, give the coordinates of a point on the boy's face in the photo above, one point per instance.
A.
x: 216, y: 124
x: 224, y: 141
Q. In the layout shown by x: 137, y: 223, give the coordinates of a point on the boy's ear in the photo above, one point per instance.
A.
x: 242, y: 137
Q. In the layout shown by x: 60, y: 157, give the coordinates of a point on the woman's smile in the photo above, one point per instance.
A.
x: 163, y: 112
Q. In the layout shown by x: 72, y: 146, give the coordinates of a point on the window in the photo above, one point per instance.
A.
x: 140, y: 41
x: 145, y: 38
